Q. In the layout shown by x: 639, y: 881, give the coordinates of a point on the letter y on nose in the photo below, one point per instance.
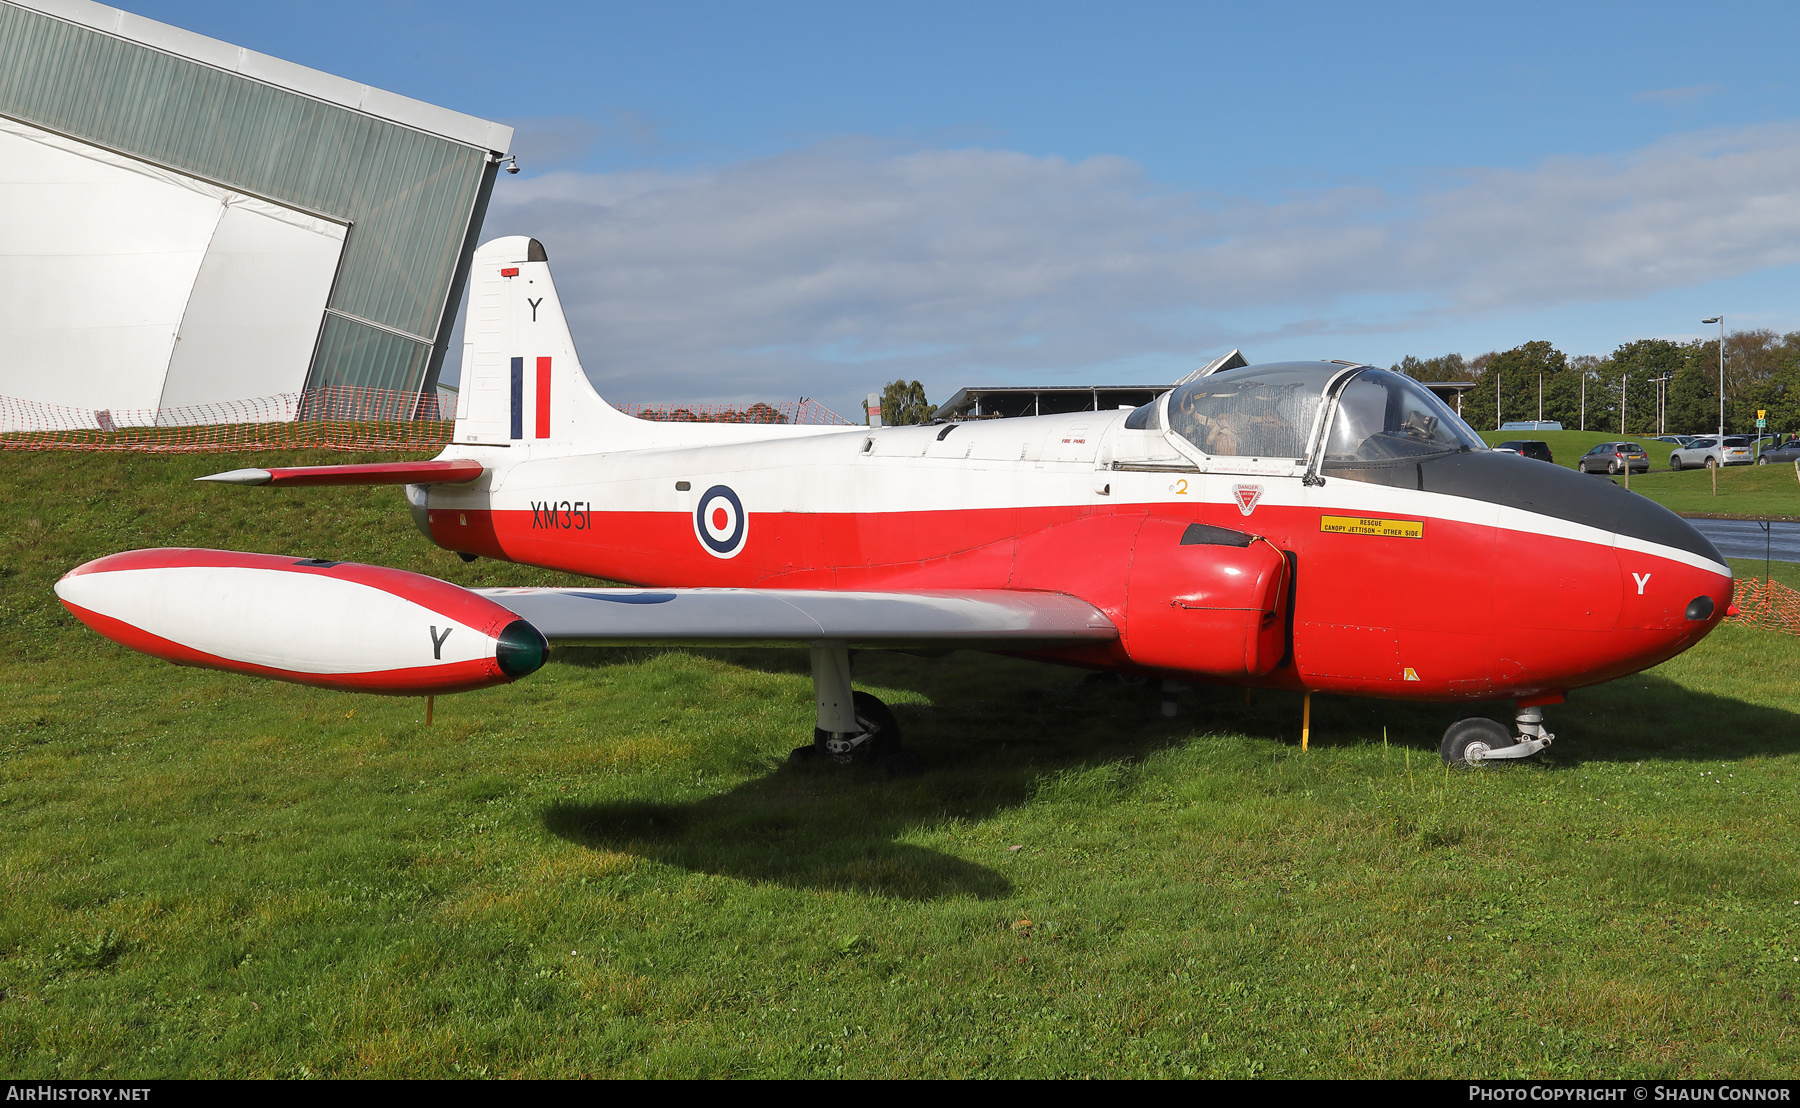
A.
x: 1642, y: 579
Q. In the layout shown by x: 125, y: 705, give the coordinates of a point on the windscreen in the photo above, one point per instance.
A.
x: 1384, y: 417
x: 1255, y: 412
x: 1144, y: 418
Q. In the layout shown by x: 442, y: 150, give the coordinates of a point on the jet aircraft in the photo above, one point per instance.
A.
x: 1313, y: 526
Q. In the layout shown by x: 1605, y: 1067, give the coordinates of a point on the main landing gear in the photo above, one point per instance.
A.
x: 1471, y: 742
x: 853, y: 727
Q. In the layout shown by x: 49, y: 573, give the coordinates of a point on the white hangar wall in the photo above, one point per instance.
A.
x: 184, y: 222
x: 130, y: 287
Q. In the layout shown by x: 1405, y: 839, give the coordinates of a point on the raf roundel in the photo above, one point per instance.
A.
x: 720, y: 523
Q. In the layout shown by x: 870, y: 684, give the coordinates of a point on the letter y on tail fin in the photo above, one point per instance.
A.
x: 522, y: 383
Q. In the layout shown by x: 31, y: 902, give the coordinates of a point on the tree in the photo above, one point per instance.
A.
x: 1636, y: 366
x: 903, y: 403
x: 1450, y: 367
x: 1517, y: 372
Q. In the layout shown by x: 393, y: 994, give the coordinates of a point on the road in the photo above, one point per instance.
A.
x: 1744, y: 538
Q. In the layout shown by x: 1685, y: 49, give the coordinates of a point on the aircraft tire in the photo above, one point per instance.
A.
x: 1464, y: 733
x: 878, y: 718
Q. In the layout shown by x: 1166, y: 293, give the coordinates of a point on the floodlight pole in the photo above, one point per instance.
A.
x: 1540, y: 399
x: 1662, y: 403
x: 1720, y: 320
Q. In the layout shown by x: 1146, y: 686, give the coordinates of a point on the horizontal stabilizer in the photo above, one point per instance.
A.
x: 376, y: 473
x: 973, y: 619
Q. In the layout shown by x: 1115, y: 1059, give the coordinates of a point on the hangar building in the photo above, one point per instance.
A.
x: 186, y: 222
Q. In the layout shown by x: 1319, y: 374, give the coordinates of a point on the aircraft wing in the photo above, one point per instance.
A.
x: 991, y: 619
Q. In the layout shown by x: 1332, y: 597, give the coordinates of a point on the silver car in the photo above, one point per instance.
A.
x: 1706, y: 450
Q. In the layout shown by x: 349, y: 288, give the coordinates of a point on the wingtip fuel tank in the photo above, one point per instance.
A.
x: 339, y: 625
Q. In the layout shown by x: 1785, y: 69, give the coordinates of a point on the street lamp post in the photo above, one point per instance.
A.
x: 1662, y: 403
x: 1720, y: 320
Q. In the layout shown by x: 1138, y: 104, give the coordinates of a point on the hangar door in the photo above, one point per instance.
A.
x: 128, y: 288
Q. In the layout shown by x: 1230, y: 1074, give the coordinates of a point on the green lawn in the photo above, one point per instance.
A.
x: 609, y: 869
x: 1758, y: 491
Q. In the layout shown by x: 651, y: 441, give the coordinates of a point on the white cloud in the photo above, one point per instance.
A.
x: 832, y: 269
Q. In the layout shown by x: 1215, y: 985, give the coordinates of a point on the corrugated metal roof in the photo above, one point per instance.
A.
x: 282, y: 74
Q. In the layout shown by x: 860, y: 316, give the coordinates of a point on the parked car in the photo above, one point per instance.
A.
x: 1783, y: 452
x: 1531, y: 448
x: 1675, y: 440
x: 1614, y: 458
x: 1706, y: 450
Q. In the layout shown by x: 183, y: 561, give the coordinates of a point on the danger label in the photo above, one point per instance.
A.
x: 1386, y: 528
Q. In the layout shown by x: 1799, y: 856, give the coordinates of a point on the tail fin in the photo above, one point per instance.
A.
x: 522, y: 383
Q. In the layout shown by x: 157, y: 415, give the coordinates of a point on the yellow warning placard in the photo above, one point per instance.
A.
x: 1362, y: 525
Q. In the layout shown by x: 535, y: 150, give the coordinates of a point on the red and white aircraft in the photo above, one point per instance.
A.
x: 1315, y: 526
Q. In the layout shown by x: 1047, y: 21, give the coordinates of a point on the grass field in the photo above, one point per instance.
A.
x: 1769, y: 491
x: 608, y: 868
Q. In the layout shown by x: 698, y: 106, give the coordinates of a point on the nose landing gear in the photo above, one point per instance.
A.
x: 1471, y: 742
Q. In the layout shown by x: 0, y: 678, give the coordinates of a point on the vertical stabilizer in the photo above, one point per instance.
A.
x: 522, y: 383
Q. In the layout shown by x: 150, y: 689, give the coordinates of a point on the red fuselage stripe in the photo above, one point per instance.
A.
x: 1502, y: 612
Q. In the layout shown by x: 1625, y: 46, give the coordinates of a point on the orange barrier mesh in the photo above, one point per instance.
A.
x: 340, y: 417
x: 1768, y: 604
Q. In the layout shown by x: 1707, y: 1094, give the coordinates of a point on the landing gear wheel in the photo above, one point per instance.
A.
x: 1474, y: 736
x: 876, y: 720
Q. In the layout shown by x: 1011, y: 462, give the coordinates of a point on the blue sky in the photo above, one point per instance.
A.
x: 755, y: 201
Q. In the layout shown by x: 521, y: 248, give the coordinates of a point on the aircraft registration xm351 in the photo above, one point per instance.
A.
x: 1313, y: 526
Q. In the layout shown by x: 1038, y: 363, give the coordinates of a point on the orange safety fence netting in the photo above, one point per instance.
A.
x: 339, y: 417
x: 1768, y: 604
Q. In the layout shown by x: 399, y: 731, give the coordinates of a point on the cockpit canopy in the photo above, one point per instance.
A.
x: 1386, y: 417
x: 1270, y: 411
x: 1258, y: 411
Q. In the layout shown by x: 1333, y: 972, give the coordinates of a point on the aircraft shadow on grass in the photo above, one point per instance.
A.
x: 826, y: 827
x: 817, y: 825
x: 1635, y: 717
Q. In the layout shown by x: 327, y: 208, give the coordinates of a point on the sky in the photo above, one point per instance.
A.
x: 762, y: 201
